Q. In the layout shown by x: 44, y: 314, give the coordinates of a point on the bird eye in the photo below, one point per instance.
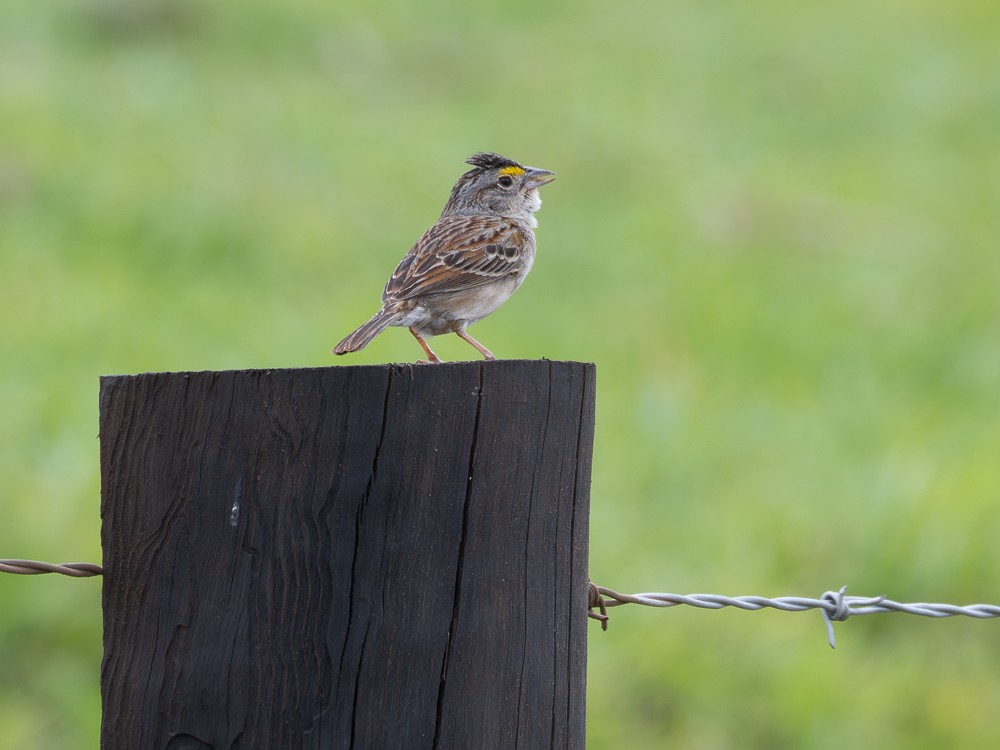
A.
x: 505, y: 181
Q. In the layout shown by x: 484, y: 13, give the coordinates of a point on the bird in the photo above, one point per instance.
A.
x: 469, y: 263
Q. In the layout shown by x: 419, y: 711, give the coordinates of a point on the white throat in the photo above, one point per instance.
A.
x: 533, y: 203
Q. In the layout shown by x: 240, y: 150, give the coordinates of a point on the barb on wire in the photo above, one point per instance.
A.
x: 34, y: 568
x: 594, y: 599
x: 835, y: 606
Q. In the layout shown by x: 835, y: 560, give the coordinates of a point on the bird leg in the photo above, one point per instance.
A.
x: 432, y: 358
x: 482, y: 349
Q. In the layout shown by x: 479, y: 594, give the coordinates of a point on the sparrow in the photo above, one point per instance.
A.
x: 467, y: 264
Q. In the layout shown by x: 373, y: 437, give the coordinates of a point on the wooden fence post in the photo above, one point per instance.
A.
x: 346, y: 557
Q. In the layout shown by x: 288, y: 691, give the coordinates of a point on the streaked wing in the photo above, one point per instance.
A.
x: 458, y: 253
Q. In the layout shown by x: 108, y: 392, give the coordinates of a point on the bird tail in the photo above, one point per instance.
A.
x: 363, y: 336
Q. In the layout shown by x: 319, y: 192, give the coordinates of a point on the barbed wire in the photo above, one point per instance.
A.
x: 835, y: 605
x: 34, y: 568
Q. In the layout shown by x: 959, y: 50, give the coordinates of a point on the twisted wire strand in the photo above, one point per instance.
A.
x: 835, y: 605
x: 34, y: 568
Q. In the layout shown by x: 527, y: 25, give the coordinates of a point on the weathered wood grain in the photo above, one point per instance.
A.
x: 347, y: 557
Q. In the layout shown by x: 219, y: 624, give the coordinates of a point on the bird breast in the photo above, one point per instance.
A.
x: 435, y: 314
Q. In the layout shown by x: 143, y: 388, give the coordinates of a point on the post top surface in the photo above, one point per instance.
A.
x: 395, y: 367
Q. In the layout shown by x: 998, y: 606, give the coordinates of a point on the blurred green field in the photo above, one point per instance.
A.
x: 775, y: 231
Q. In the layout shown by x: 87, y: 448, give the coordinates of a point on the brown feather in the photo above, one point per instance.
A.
x: 456, y: 254
x: 361, y: 337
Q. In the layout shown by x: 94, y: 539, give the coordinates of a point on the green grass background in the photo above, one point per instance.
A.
x: 775, y: 230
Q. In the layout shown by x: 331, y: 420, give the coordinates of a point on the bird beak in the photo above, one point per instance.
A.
x: 538, y: 177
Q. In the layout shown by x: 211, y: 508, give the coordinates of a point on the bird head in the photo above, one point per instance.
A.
x: 499, y: 186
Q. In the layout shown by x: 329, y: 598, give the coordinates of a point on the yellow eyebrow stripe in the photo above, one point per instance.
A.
x: 513, y: 171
